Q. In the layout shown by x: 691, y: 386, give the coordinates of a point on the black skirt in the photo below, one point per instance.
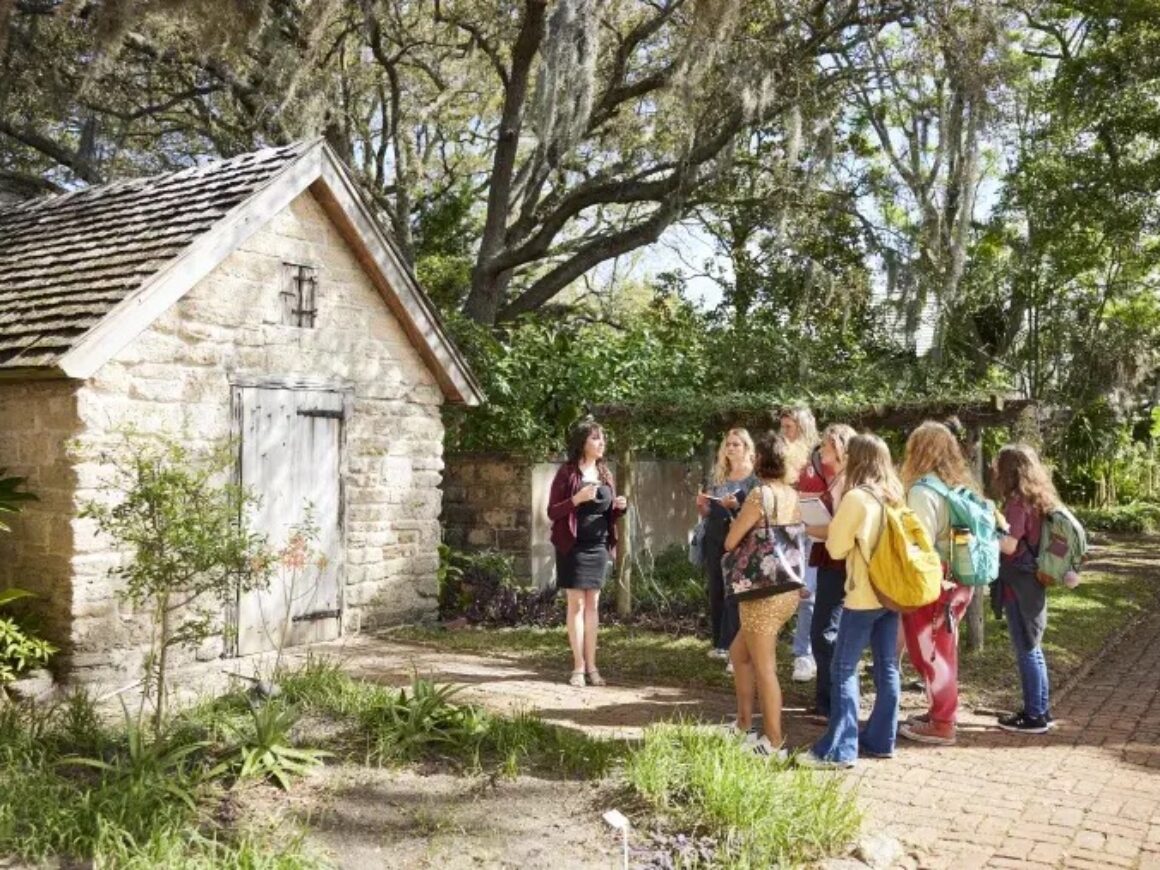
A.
x: 585, y: 566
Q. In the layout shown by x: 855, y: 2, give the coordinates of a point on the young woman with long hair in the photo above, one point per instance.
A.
x: 932, y: 632
x: 1023, y: 484
x: 871, y: 483
x: 831, y: 572
x: 584, y: 507
x: 800, y: 431
x: 754, y: 650
x: 731, y: 482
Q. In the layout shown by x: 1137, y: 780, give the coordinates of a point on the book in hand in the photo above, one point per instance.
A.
x: 814, y: 512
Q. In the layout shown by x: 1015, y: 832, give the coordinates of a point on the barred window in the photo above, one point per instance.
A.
x: 300, y: 296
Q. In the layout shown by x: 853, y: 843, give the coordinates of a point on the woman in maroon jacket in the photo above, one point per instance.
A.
x: 584, y: 507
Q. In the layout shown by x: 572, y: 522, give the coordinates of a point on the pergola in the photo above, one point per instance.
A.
x: 976, y: 414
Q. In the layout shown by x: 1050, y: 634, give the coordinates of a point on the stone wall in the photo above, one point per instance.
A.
x: 38, y: 420
x: 176, y: 378
x: 486, y: 505
x: 498, y: 502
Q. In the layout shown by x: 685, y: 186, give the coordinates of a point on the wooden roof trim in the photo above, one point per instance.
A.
x: 320, y: 171
x: 139, y: 310
x: 339, y: 198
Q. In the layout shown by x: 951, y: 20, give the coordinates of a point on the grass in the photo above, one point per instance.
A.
x: 1120, y: 582
x: 760, y: 814
x: 384, y: 726
x: 633, y: 654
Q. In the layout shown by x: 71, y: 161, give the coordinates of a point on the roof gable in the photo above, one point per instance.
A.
x: 82, y: 274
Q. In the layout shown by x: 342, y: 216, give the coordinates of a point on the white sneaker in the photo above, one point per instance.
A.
x: 729, y: 668
x: 764, y: 749
x: 731, y: 730
x: 804, y: 669
x: 721, y: 654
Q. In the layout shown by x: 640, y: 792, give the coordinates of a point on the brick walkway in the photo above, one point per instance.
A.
x: 1086, y: 795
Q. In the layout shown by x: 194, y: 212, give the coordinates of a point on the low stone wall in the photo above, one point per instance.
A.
x: 497, y: 502
x: 486, y: 505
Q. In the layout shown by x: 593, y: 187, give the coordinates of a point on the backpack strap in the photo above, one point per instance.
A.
x: 881, y: 525
x: 934, y: 485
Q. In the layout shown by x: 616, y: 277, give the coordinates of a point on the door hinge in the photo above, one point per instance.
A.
x: 317, y: 615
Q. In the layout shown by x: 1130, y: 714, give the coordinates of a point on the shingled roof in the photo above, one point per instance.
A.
x: 83, y: 272
x: 66, y: 261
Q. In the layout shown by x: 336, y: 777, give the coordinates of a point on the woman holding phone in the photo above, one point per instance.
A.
x: 584, y: 507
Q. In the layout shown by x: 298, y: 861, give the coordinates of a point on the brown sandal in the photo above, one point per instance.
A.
x: 577, y: 680
x: 594, y: 678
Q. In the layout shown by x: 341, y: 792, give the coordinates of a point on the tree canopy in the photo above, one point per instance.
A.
x: 902, y: 197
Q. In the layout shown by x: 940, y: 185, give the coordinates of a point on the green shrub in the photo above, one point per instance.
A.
x: 391, y: 726
x: 263, y: 749
x: 671, y: 584
x: 760, y: 814
x: 1139, y: 516
x: 483, y: 588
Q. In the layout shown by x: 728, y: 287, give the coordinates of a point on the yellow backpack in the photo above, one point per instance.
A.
x: 905, y: 569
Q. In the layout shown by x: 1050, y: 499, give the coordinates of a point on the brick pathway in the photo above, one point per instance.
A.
x: 1086, y: 795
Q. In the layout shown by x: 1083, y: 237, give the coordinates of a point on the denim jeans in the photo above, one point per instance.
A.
x: 805, y: 613
x: 824, y: 629
x: 858, y: 629
x: 1032, y: 664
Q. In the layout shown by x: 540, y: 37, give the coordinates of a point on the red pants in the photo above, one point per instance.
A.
x: 934, y: 650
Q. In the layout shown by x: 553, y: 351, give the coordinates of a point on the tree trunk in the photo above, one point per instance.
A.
x: 483, y: 300
x: 166, y: 629
x: 976, y: 611
x: 624, y: 470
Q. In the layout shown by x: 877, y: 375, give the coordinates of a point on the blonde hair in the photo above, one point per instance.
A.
x: 868, y: 464
x: 933, y: 449
x: 806, y: 425
x: 1019, y: 471
x: 721, y: 469
x: 838, y: 435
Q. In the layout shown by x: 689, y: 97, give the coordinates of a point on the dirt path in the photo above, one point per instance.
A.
x: 1086, y: 795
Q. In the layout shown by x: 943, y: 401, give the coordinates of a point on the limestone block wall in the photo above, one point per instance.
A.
x: 487, y: 505
x: 499, y: 502
x: 38, y: 421
x: 176, y: 378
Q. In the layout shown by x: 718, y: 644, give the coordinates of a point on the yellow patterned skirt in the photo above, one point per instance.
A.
x: 766, y: 616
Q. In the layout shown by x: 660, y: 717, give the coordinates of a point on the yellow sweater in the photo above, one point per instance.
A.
x: 856, y: 527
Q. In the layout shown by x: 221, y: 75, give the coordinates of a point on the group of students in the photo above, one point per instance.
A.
x: 855, y: 478
x: 840, y: 612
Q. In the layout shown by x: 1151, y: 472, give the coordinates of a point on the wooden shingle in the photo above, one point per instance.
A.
x: 66, y: 261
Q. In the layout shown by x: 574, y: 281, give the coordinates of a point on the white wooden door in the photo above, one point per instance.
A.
x: 291, y: 443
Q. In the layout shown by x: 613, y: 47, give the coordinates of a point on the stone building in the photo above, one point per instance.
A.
x: 254, y: 299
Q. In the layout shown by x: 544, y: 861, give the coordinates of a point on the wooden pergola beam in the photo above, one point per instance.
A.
x: 973, y: 413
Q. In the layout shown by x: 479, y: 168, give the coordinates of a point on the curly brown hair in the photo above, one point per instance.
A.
x: 1018, y: 471
x: 576, y: 441
x: 933, y: 449
x: 769, y: 461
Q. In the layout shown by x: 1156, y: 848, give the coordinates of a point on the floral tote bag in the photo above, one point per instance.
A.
x: 769, y: 560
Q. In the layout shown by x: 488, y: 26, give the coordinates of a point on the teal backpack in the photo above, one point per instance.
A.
x: 974, y: 552
x: 1062, y: 546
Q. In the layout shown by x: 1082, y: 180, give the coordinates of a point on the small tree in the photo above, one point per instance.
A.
x: 191, y: 554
